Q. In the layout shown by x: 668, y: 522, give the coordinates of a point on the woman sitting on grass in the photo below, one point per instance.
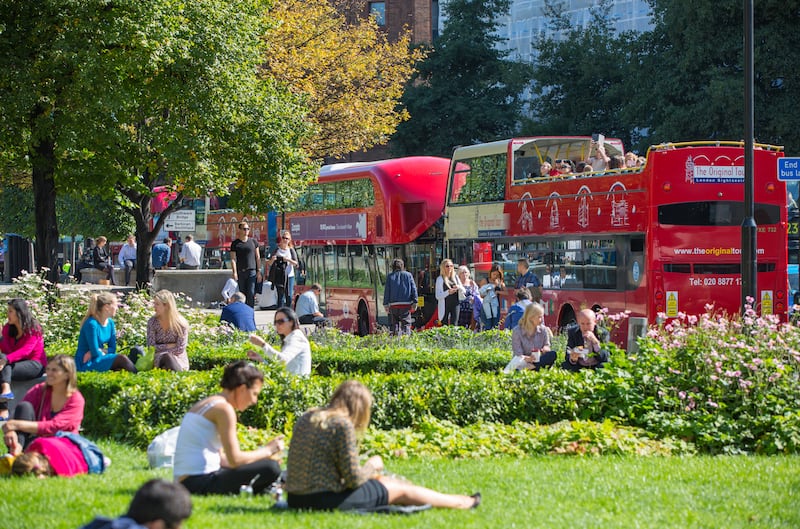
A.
x: 97, y: 343
x: 295, y: 350
x: 323, y: 470
x: 168, y: 332
x: 49, y: 407
x: 208, y: 459
x: 531, y: 339
x: 21, y: 350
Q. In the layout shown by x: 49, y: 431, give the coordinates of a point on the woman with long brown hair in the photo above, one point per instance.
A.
x: 208, y: 458
x: 49, y: 407
x: 21, y: 350
x: 323, y: 470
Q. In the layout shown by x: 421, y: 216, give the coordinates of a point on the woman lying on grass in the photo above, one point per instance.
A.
x: 323, y: 470
x: 64, y: 455
x: 208, y: 459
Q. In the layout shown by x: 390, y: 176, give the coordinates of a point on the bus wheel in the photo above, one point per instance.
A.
x: 363, y: 320
x: 567, y: 318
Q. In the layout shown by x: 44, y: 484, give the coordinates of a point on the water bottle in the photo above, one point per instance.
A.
x: 247, y: 490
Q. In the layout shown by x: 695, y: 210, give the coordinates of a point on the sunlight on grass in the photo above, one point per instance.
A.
x: 552, y: 491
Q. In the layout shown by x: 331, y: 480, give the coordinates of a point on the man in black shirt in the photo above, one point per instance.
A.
x: 246, y: 263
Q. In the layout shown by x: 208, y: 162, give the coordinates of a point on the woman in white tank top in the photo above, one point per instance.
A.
x: 208, y: 459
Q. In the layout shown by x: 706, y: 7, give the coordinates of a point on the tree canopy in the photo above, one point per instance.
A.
x: 112, y: 99
x: 466, y: 90
x: 682, y: 80
x: 349, y: 73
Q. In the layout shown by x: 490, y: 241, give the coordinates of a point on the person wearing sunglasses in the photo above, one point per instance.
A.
x: 295, y: 350
x: 246, y: 263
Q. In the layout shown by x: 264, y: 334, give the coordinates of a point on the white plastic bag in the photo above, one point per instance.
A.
x: 161, y: 451
x: 268, y: 297
x: 515, y: 363
x: 231, y: 287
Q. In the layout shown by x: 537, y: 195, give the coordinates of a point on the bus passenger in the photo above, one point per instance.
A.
x: 598, y: 158
x: 546, y: 169
x: 400, y: 298
x: 526, y: 277
x: 448, y: 291
x: 584, y: 344
x: 531, y: 339
x: 565, y: 168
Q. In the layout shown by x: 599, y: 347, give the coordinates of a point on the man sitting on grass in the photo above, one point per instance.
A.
x: 158, y: 504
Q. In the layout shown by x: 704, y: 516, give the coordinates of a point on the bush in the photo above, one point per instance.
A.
x: 728, y: 384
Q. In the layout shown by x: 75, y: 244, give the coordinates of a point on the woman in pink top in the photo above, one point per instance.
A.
x: 52, y: 406
x: 21, y: 351
x: 51, y: 456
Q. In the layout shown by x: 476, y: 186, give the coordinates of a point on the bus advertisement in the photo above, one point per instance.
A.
x: 358, y: 217
x: 660, y: 239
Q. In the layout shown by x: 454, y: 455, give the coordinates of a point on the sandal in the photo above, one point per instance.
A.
x: 477, y: 498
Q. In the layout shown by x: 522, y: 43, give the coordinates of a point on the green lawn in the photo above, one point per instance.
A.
x: 555, y: 491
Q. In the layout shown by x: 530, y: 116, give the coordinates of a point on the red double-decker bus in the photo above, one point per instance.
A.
x: 661, y: 238
x: 357, y: 218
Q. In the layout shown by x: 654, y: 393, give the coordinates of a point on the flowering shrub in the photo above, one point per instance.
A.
x: 61, y: 310
x: 729, y: 384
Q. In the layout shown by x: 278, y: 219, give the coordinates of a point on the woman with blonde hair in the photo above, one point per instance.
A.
x: 448, y: 287
x: 323, y: 471
x: 530, y: 339
x: 168, y: 332
x: 54, y: 405
x: 466, y: 313
x: 97, y: 342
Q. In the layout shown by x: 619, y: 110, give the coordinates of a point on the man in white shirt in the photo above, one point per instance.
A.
x: 190, y: 255
x: 127, y: 257
x: 308, y: 307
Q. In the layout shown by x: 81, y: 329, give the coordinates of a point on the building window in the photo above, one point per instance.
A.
x: 378, y: 11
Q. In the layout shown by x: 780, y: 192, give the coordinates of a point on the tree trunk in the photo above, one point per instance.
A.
x: 144, y: 242
x: 43, y: 162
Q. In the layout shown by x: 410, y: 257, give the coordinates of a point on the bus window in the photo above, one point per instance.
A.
x: 359, y: 267
x: 710, y: 213
x: 484, y: 179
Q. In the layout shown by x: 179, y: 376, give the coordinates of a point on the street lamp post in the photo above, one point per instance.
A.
x: 749, y: 228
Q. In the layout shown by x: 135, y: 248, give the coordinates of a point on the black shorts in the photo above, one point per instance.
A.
x: 370, y: 494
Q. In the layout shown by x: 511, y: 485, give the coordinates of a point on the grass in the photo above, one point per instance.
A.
x: 608, y: 492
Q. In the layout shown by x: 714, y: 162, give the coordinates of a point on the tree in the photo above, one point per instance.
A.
x: 695, y: 71
x: 115, y: 98
x: 350, y: 74
x: 76, y: 215
x: 467, y: 90
x: 683, y: 80
x: 581, y: 76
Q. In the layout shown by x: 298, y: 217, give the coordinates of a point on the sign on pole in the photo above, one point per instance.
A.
x: 181, y: 220
x: 788, y: 169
